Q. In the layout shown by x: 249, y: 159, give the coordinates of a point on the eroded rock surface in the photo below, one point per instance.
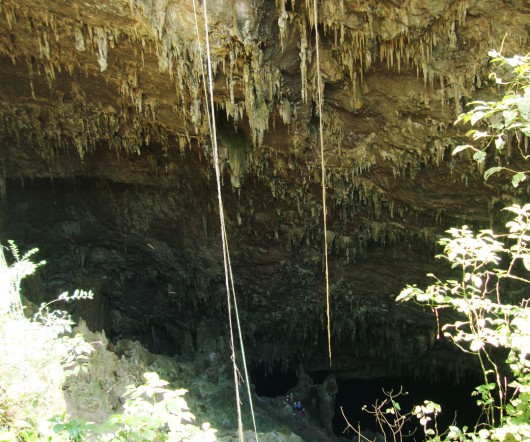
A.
x: 107, y: 165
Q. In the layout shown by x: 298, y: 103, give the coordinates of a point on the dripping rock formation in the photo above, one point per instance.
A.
x: 106, y: 166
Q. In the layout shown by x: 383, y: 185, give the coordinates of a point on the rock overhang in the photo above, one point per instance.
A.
x: 112, y: 93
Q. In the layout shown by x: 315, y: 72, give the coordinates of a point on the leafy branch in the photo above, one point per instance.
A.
x: 507, y: 120
x: 483, y: 261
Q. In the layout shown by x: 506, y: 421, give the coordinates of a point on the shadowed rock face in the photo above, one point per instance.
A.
x: 106, y: 165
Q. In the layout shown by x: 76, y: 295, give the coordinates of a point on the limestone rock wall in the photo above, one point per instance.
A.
x: 106, y: 161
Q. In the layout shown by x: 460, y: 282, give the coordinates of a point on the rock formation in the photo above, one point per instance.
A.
x: 106, y: 159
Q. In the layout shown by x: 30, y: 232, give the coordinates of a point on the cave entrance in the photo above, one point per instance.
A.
x: 272, y: 382
x: 458, y: 406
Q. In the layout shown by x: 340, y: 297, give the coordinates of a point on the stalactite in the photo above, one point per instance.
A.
x: 102, y: 42
x: 303, y: 58
x: 254, y: 91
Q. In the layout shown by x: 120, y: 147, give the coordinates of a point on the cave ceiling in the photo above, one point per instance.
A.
x: 106, y: 154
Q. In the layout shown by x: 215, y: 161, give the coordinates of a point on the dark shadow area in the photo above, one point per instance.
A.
x: 458, y: 406
x: 272, y: 382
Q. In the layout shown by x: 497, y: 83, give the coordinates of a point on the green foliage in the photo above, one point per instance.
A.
x: 75, y: 428
x: 60, y: 325
x: 486, y: 322
x: 488, y: 266
x: 151, y: 412
x: 12, y: 275
x: 507, y: 121
x: 427, y: 413
x: 154, y: 412
x: 37, y: 354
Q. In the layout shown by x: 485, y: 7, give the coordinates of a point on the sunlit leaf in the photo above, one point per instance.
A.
x: 499, y: 143
x: 479, y: 156
x: 491, y: 171
x: 478, y: 134
x: 476, y: 345
x: 461, y: 148
x: 477, y: 116
x: 526, y: 262
x: 510, y: 116
x: 518, y: 178
x: 476, y: 281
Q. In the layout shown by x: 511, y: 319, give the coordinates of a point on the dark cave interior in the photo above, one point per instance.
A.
x: 458, y: 405
x: 272, y: 384
x: 109, y: 237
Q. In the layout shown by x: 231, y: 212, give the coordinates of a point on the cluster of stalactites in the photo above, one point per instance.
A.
x: 363, y: 33
x: 362, y: 332
x: 387, y: 37
x: 235, y: 56
x: 49, y: 34
x: 73, y: 125
x: 356, y: 34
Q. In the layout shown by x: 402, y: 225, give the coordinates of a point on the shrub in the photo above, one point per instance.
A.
x: 488, y: 266
x: 153, y: 412
x: 486, y: 322
x: 36, y: 354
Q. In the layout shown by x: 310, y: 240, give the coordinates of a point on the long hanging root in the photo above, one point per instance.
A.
x: 229, y: 277
x: 323, y: 179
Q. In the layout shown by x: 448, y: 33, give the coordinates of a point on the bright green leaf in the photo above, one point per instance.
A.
x: 479, y: 156
x: 491, y: 171
x: 461, y: 148
x: 476, y: 116
x: 518, y: 178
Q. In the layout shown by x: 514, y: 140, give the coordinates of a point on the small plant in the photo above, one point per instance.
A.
x: 149, y: 411
x: 60, y: 324
x: 12, y: 275
x: 392, y: 420
x: 388, y: 415
x: 426, y: 414
x: 75, y: 428
x: 153, y: 412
